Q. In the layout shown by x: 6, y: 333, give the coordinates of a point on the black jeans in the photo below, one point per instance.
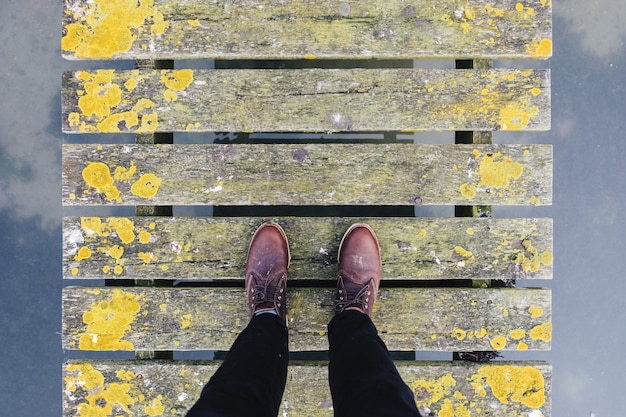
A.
x: 363, y: 379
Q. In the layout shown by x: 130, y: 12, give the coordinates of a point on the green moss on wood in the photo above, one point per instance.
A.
x: 213, y: 248
x: 322, y: 174
x: 444, y: 319
x: 305, y: 100
x: 168, y: 29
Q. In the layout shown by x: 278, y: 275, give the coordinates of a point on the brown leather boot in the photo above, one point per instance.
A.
x: 266, y: 270
x: 359, y: 270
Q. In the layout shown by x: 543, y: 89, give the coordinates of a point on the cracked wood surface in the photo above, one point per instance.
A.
x: 216, y: 248
x: 304, y: 100
x: 307, y: 174
x: 272, y: 29
x: 438, y: 386
x: 441, y: 319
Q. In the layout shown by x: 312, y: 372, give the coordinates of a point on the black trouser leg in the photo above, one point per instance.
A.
x: 251, y: 380
x: 364, y: 380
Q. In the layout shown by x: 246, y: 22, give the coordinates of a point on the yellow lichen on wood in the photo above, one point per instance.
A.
x: 102, y: 395
x: 542, y: 332
x: 147, y: 186
x: 108, y: 321
x: 107, y: 27
x: 496, y: 171
x: 498, y: 342
x: 541, y: 49
x: 98, y: 175
x: 100, y: 103
x: 177, y: 80
x: 525, y: 385
x: 83, y: 253
x: 535, y: 311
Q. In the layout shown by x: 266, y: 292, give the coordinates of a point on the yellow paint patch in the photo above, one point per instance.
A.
x: 195, y: 22
x: 147, y: 186
x: 74, y: 272
x: 309, y: 56
x: 519, y: 7
x: 523, y: 385
x: 522, y: 346
x: 469, y: 231
x: 498, y: 342
x: 108, y: 321
x: 109, y: 27
x: 83, y: 253
x: 177, y: 80
x: 542, y: 332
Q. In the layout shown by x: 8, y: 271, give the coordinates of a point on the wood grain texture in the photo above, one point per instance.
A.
x: 304, y: 100
x: 216, y: 248
x: 261, y: 29
x: 438, y: 386
x: 444, y: 319
x: 322, y: 174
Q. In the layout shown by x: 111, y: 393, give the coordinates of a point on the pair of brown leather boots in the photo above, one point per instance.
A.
x: 268, y: 261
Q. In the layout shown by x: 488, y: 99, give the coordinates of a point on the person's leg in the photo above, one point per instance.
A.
x: 363, y: 379
x: 251, y: 380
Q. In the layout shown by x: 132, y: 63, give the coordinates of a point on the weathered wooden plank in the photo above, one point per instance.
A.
x: 499, y: 389
x: 412, y: 248
x: 321, y: 174
x: 305, y: 100
x: 447, y: 319
x: 256, y: 29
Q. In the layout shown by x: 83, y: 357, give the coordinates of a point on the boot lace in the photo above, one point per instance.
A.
x: 352, y: 296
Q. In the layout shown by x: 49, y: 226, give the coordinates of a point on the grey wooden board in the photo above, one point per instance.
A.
x: 446, y: 319
x: 216, y: 248
x: 305, y: 100
x: 322, y: 174
x: 171, y: 29
x: 173, y: 387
